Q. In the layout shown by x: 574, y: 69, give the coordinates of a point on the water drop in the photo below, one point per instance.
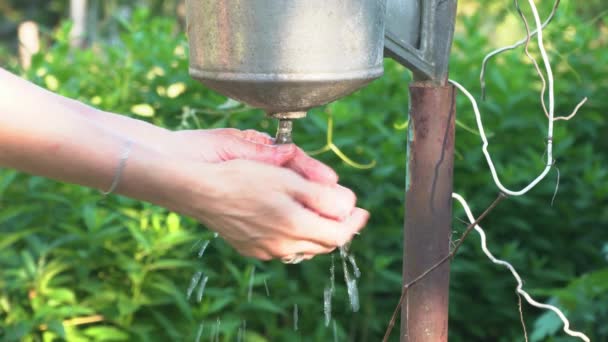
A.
x: 249, y: 293
x: 335, y: 332
x: 351, y: 287
x: 199, y: 333
x: 327, y: 294
x: 201, y: 290
x: 295, y: 317
x: 242, y: 330
x: 353, y: 263
x: 203, y: 248
x: 216, y: 333
x: 332, y: 273
x: 266, y: 286
x: 195, y: 279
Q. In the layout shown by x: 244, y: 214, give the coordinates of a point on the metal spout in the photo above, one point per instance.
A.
x: 285, y: 125
x: 284, y: 132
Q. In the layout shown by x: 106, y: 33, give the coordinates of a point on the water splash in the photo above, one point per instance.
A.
x: 195, y: 279
x: 332, y: 273
x: 351, y: 283
x: 203, y: 248
x: 295, y: 317
x: 216, y: 332
x: 201, y: 290
x: 329, y: 292
x: 242, y: 331
x: 250, y: 291
x: 353, y: 263
x: 266, y: 287
x: 351, y: 287
x: 199, y: 333
x: 335, y: 331
x: 196, y: 244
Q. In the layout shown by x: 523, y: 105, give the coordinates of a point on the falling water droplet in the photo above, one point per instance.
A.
x: 201, y: 290
x: 195, y: 279
x: 203, y: 248
x: 242, y: 331
x: 295, y: 317
x: 215, y: 235
x: 216, y: 333
x: 351, y: 283
x: 327, y: 294
x: 353, y: 263
x: 335, y: 332
x: 351, y: 288
x: 250, y: 292
x: 332, y: 273
x: 199, y: 333
x: 196, y: 244
x: 266, y: 286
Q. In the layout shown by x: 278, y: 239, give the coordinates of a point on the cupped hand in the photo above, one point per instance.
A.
x: 224, y: 144
x: 269, y: 212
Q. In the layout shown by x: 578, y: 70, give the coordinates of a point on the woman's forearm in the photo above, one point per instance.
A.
x: 47, y: 135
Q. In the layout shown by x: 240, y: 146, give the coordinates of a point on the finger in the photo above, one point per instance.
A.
x: 336, y: 202
x: 240, y: 148
x: 258, y: 137
x: 286, y: 248
x: 326, y: 232
x: 257, y: 253
x: 249, y: 134
x: 312, y: 169
x: 301, y: 163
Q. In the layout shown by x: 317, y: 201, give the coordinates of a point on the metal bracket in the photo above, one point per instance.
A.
x: 419, y: 35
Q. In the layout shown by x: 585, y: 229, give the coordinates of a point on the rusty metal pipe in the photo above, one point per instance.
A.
x: 428, y: 211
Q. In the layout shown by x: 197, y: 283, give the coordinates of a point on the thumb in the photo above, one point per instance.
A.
x: 239, y: 148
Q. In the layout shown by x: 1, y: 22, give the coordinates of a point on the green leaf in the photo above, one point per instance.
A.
x: 170, y: 264
x: 56, y: 326
x: 106, y: 333
x: 546, y: 325
x: 61, y: 295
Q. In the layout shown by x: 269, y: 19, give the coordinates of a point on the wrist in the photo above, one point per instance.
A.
x: 178, y: 184
x: 137, y: 130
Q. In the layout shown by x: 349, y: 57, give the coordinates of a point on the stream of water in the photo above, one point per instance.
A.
x: 199, y: 333
x: 351, y: 282
x: 350, y: 278
x: 193, y: 282
x: 328, y: 292
x: 201, y: 289
x: 250, y: 291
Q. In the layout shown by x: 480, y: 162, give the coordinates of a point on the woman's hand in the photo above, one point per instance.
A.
x: 224, y: 144
x: 267, y: 201
x: 269, y: 212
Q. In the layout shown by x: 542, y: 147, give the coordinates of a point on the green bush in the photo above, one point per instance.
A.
x: 67, y: 253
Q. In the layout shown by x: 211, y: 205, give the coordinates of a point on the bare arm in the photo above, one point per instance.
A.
x: 227, y: 179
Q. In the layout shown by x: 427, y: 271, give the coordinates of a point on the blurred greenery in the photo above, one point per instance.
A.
x: 77, y: 267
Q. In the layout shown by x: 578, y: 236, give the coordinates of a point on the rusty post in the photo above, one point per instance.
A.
x: 428, y: 211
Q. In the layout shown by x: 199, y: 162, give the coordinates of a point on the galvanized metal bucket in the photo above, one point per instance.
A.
x: 286, y: 56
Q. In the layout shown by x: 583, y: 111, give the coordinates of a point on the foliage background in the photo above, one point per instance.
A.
x: 66, y: 253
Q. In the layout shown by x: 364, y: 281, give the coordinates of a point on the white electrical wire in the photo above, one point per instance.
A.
x: 550, y: 161
x: 539, y: 35
x: 484, y: 148
x: 520, y: 290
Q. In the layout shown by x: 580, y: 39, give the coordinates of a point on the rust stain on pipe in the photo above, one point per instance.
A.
x: 428, y: 212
